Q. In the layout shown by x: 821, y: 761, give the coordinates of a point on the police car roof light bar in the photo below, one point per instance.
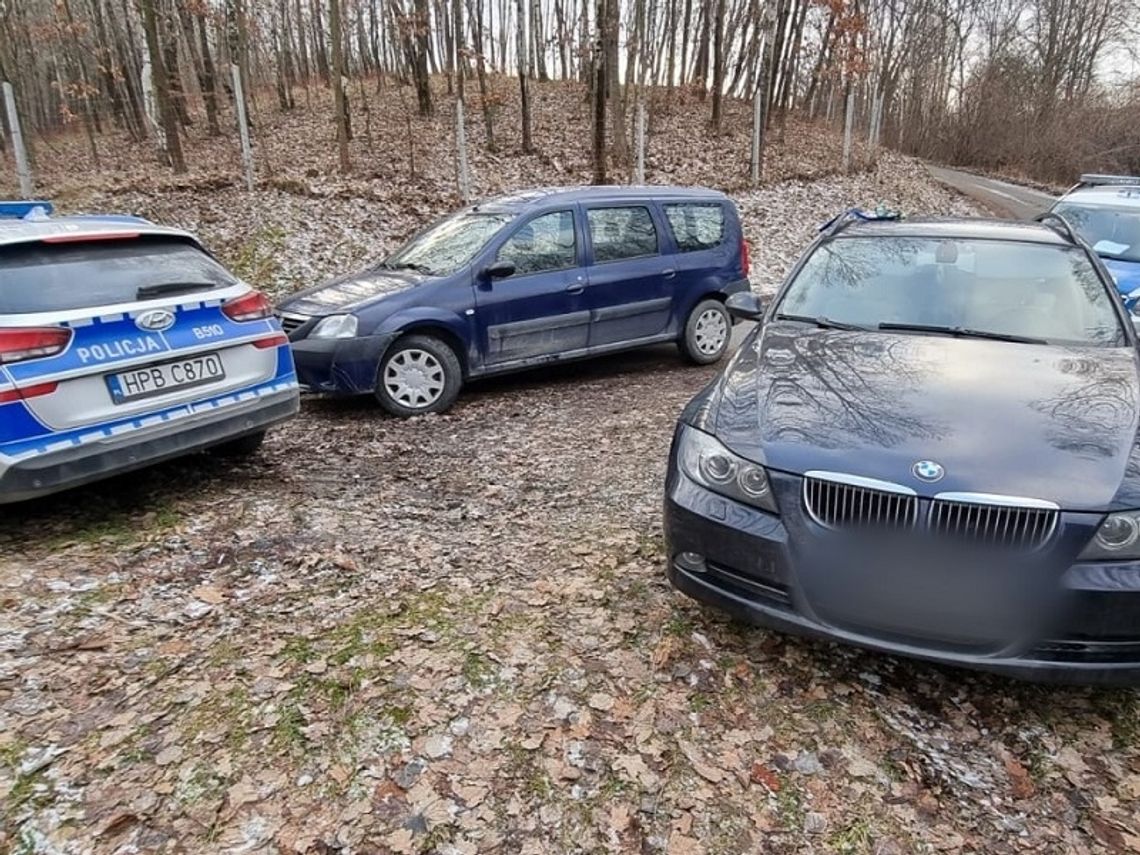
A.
x: 1092, y: 179
x: 20, y: 210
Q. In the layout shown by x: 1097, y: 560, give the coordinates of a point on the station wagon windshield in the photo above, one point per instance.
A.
x: 448, y: 245
x: 1111, y: 232
x: 982, y: 288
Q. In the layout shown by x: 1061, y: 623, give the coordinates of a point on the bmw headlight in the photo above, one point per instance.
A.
x: 1117, y: 539
x: 335, y: 326
x: 712, y: 465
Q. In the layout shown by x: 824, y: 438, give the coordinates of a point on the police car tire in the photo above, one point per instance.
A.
x: 243, y: 446
x: 688, y: 343
x: 448, y: 361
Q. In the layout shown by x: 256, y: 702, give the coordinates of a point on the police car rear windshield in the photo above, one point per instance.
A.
x: 1113, y: 232
x: 41, y: 277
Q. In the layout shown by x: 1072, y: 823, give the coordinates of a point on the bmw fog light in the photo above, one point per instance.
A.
x: 694, y: 562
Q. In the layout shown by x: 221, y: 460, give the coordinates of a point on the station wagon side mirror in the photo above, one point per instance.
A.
x: 745, y: 305
x: 499, y: 269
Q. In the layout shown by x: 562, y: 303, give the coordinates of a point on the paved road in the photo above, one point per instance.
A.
x: 1003, y: 199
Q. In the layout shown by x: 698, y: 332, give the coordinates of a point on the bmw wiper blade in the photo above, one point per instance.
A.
x: 145, y: 292
x: 820, y: 321
x: 960, y: 332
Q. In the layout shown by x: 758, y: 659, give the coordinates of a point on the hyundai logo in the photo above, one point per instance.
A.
x: 928, y: 470
x: 156, y: 320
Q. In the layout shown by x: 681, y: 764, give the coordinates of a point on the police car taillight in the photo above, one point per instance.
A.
x: 17, y: 345
x: 253, y: 306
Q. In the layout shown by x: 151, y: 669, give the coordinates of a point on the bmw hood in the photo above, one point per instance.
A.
x: 1125, y: 273
x: 351, y: 292
x: 1045, y: 422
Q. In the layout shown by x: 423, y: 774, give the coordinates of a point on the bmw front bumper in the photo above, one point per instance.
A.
x: 751, y: 568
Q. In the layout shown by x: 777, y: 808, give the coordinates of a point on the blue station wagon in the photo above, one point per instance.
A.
x: 524, y: 280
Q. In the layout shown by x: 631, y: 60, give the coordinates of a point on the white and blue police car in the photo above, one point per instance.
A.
x: 1105, y: 211
x: 123, y: 343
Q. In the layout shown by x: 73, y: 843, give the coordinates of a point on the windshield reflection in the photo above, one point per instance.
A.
x: 448, y: 245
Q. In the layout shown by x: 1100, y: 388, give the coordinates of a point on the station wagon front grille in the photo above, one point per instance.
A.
x: 996, y: 525
x: 842, y: 505
x: 291, y: 323
x: 850, y: 503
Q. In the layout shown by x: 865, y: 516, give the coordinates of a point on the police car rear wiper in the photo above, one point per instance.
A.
x: 164, y: 288
x: 961, y: 332
x: 821, y: 321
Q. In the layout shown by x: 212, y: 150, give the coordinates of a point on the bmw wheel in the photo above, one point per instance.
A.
x: 419, y: 374
x: 707, y: 333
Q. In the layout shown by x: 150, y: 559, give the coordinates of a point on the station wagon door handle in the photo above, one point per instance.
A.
x: 575, y: 288
x: 669, y: 273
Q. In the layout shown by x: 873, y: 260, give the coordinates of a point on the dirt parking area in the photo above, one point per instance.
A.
x: 453, y: 634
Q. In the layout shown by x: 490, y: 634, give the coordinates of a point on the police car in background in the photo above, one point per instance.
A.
x: 123, y: 343
x: 1105, y: 211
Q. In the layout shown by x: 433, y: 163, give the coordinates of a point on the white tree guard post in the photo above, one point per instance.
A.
x: 641, y: 140
x: 243, y: 126
x: 461, y: 151
x: 23, y: 171
x: 848, y: 131
x: 757, y: 130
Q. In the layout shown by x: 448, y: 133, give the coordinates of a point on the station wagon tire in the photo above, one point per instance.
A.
x: 243, y: 446
x: 418, y: 375
x: 707, y: 333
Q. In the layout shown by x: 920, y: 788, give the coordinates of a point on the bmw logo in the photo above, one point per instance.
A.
x: 928, y: 470
x: 156, y: 320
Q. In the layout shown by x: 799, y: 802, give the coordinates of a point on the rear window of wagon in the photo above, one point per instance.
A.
x: 47, y: 277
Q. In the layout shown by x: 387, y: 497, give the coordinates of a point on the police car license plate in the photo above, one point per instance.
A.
x: 165, y: 377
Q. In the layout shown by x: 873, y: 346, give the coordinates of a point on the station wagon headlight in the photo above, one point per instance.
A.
x: 712, y: 465
x: 335, y: 326
x: 1117, y: 539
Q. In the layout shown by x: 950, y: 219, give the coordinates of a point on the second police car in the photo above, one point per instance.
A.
x: 123, y: 343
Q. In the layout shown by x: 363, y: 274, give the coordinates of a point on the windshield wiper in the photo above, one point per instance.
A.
x: 146, y: 292
x: 406, y: 265
x: 961, y: 332
x: 821, y: 321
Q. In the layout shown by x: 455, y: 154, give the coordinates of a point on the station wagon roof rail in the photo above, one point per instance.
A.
x: 1059, y: 224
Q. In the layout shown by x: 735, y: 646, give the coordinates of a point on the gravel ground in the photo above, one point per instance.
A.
x: 453, y: 634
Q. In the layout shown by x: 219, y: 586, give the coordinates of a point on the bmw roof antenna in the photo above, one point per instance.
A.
x: 840, y: 221
x: 1059, y: 224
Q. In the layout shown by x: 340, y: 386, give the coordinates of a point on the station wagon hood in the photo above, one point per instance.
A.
x: 1125, y: 273
x: 1039, y: 421
x: 351, y: 292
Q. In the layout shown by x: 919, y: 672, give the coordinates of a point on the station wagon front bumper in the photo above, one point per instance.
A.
x: 54, y: 470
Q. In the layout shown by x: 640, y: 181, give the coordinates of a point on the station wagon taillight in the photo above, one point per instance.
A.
x: 19, y: 344
x: 746, y: 257
x: 253, y: 306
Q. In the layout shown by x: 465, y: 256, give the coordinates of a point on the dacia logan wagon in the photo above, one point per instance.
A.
x: 521, y: 281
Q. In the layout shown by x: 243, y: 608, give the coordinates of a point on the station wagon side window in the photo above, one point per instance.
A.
x: 545, y: 243
x: 696, y: 226
x: 620, y: 233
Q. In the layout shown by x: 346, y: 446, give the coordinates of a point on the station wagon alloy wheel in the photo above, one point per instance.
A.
x: 414, y: 378
x: 711, y: 332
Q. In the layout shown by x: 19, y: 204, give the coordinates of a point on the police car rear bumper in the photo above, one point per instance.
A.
x: 53, y: 471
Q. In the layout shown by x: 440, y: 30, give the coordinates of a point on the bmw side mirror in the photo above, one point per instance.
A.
x: 499, y: 269
x: 745, y: 305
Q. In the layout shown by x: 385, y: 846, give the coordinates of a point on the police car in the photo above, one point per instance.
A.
x: 123, y: 343
x: 1105, y: 211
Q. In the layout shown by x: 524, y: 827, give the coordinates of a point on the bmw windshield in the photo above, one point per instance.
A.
x: 448, y: 245
x: 979, y: 288
x: 1112, y: 232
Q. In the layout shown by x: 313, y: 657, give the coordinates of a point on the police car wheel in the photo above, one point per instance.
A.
x: 243, y: 446
x: 708, y: 330
x: 418, y: 375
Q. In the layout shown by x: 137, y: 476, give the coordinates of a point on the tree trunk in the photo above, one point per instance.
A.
x: 718, y: 66
x: 173, y: 145
x: 340, y: 105
x: 522, y: 42
x: 481, y: 70
x: 600, y: 87
x: 422, y: 23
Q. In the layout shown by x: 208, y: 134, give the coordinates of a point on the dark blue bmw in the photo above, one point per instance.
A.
x: 520, y: 281
x: 928, y: 447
